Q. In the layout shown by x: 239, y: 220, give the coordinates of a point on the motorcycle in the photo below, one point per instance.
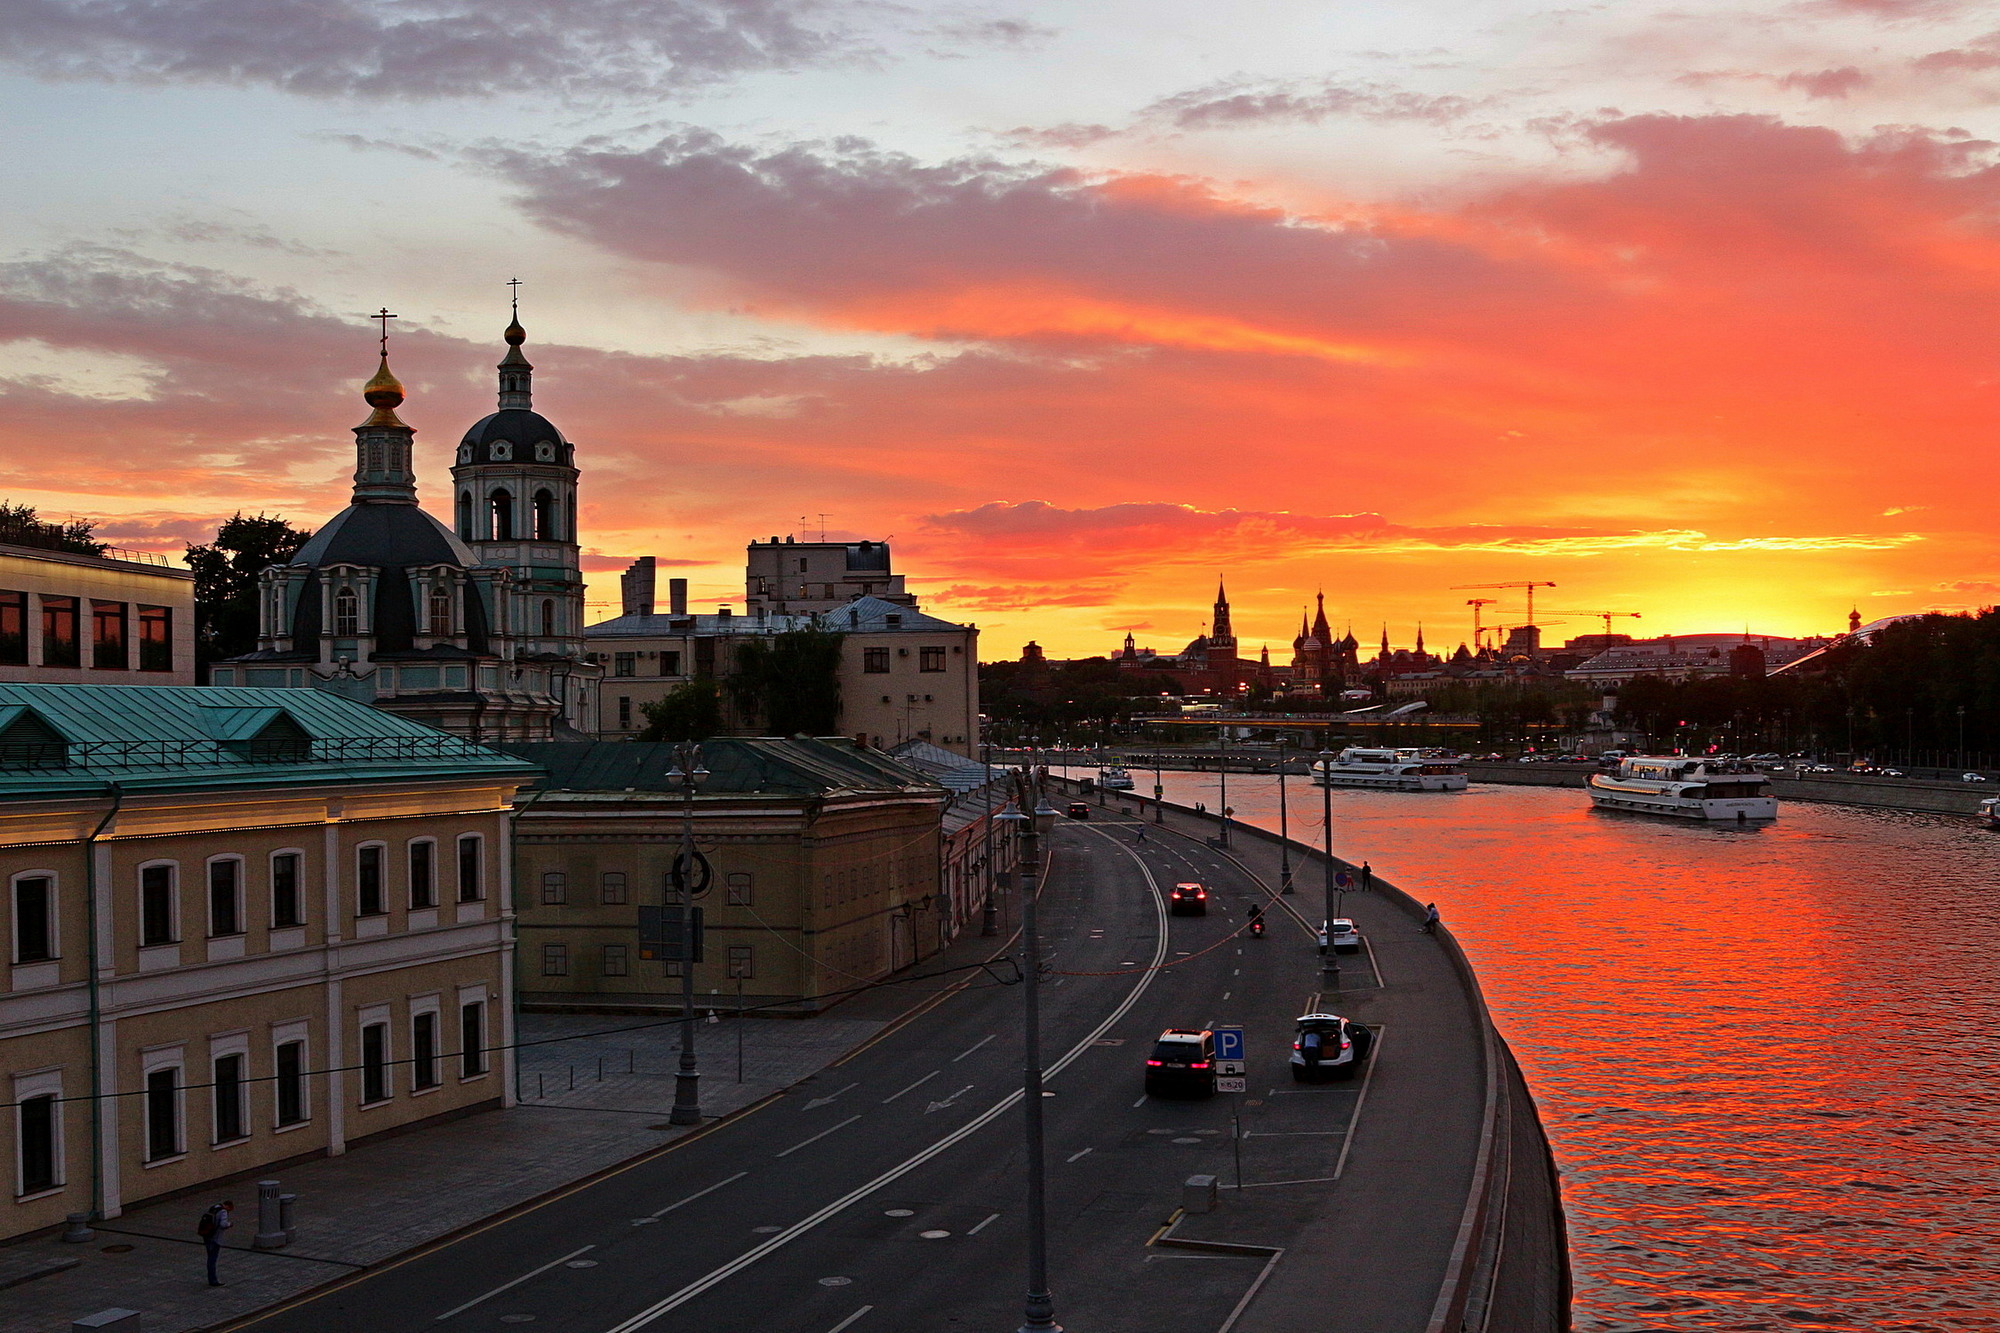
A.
x: 1257, y: 927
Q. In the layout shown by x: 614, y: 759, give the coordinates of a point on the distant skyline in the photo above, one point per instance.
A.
x: 1689, y: 308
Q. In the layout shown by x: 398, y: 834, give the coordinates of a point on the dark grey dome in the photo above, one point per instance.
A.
x: 520, y: 427
x: 384, y: 535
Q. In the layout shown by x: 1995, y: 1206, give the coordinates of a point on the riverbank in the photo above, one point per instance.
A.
x: 1509, y: 1267
x: 1919, y: 794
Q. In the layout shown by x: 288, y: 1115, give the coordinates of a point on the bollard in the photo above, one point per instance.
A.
x: 285, y: 1202
x: 270, y: 1226
x: 572, y: 1078
x: 107, y: 1321
x: 1198, y: 1194
x: 78, y: 1231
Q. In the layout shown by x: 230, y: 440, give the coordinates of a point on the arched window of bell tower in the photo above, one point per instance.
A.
x: 548, y: 619
x: 465, y: 531
x: 545, y: 515
x: 502, y: 503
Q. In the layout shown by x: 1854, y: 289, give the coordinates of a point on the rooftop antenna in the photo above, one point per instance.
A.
x: 384, y: 316
x: 822, y: 527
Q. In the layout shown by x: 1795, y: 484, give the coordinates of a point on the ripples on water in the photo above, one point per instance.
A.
x: 1765, y: 1058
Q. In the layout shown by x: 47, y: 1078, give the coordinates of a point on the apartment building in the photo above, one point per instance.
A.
x: 826, y: 871
x: 243, y: 926
x: 66, y: 617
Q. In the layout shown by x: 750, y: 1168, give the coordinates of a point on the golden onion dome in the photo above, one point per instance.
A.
x: 384, y: 393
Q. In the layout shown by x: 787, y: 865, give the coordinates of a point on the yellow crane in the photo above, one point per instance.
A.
x: 1606, y: 616
x: 1476, y: 603
x: 1529, y: 584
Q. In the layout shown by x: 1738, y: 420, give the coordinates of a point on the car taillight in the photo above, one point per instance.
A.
x: 1153, y: 1063
x: 1297, y: 1046
x: 1345, y: 1043
x: 1198, y: 1064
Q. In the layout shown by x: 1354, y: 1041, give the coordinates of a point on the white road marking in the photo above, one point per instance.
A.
x: 939, y: 1106
x: 975, y: 1046
x: 1075, y: 1155
x: 1354, y: 1118
x: 1225, y: 995
x: 849, y: 1321
x: 742, y: 1261
x: 1141, y: 1101
x: 822, y: 1101
x: 509, y: 1286
x: 983, y: 1225
x: 913, y: 1087
x: 697, y: 1194
x: 817, y: 1137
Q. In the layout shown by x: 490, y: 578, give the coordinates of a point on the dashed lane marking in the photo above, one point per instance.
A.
x: 817, y: 1137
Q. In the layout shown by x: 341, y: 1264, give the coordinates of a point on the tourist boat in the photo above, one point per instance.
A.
x: 1114, y: 779
x: 1989, y: 812
x: 1391, y: 770
x: 1686, y: 789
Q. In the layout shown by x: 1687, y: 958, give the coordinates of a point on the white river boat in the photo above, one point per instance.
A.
x: 1685, y: 788
x: 1114, y: 779
x: 1391, y: 770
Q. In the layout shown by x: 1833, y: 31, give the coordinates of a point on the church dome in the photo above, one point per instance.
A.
x: 524, y: 431
x: 384, y: 536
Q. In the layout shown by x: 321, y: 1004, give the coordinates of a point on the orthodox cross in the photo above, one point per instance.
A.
x: 384, y: 315
x: 515, y: 283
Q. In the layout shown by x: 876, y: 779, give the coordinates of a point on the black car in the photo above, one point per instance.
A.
x: 1183, y: 1061
x: 1328, y: 1046
x: 1079, y: 810
x: 1189, y: 900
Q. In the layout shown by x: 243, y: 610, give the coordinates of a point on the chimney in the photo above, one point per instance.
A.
x: 677, y: 596
x: 722, y: 613
x: 635, y: 586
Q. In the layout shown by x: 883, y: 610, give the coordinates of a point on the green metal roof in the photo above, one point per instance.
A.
x: 795, y: 766
x: 162, y: 737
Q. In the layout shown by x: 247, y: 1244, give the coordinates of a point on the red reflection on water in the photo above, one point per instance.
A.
x: 1765, y: 1057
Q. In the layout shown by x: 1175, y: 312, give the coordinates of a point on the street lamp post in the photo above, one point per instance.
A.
x: 686, y: 776
x: 989, y: 924
x: 1284, y: 828
x: 1222, y: 799
x: 1039, y: 1309
x: 1329, y: 961
x: 1160, y: 789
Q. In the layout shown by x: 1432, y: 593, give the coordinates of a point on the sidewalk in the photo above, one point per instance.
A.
x: 376, y: 1201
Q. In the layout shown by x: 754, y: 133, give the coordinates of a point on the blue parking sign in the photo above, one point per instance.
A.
x: 1229, y: 1043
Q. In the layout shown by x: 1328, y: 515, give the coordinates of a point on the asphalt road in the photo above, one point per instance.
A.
x: 886, y: 1193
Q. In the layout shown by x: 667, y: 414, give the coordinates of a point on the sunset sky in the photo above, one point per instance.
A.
x: 1693, y: 309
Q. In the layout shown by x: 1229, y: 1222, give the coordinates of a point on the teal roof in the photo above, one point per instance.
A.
x: 791, y: 766
x: 57, y: 739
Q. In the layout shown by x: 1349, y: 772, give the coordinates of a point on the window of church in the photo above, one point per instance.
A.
x: 440, y: 612
x: 545, y: 516
x: 502, y: 503
x: 548, y: 619
x: 346, y: 613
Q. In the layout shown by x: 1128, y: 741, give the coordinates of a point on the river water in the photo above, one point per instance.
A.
x: 1766, y: 1058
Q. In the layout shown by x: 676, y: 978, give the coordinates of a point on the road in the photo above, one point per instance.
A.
x: 885, y: 1194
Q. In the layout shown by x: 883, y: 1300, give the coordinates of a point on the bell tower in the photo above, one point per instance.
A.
x: 514, y: 488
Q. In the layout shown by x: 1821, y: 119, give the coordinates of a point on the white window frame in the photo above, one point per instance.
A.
x: 375, y: 1015
x: 427, y: 1004
x: 151, y: 1062
x: 305, y: 898
x: 208, y: 901
x: 14, y: 916
x: 468, y: 995
x: 359, y: 848
x: 298, y: 1030
x: 409, y: 886
x: 227, y: 1044
x: 173, y: 899
x: 40, y: 1083
x: 479, y: 883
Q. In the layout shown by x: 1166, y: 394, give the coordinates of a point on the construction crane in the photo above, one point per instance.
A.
x: 1606, y: 616
x: 1476, y: 603
x: 1529, y: 585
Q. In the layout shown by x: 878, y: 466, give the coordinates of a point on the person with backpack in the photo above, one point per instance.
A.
x: 213, y: 1223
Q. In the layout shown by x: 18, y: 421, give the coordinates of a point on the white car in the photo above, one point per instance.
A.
x: 1973, y: 777
x: 1346, y: 939
x: 1329, y: 1046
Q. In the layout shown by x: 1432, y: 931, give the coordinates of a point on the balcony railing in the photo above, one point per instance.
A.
x: 161, y: 756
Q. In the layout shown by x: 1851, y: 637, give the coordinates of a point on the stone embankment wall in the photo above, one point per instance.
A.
x: 1944, y: 798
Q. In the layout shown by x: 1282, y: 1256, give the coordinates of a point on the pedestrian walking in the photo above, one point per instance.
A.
x: 1367, y: 876
x: 1142, y: 834
x: 1430, y: 918
x: 213, y: 1223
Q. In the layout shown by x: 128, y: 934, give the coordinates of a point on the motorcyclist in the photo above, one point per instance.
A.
x: 1256, y: 918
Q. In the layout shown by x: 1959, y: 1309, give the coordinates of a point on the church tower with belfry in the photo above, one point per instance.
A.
x: 1222, y: 664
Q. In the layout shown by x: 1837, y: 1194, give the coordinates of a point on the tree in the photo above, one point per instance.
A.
x: 791, y: 683
x: 22, y: 525
x: 225, y: 581
x: 690, y: 712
